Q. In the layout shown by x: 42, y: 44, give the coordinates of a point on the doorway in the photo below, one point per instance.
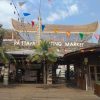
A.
x: 94, y: 75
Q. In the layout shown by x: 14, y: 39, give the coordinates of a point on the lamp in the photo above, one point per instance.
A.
x: 85, y: 61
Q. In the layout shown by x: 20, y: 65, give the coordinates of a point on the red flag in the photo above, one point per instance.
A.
x: 97, y: 36
x: 32, y: 23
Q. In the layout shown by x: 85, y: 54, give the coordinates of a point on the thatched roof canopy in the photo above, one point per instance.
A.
x: 49, y: 28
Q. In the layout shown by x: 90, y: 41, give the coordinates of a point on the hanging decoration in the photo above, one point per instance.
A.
x: 49, y: 0
x: 43, y: 26
x: 32, y: 23
x: 14, y: 12
x: 22, y: 3
x: 81, y: 35
x: 26, y: 14
x: 68, y: 34
x: 97, y: 36
x: 56, y: 30
x: 36, y: 27
x: 10, y: 3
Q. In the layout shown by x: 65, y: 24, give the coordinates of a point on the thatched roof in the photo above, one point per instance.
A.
x: 49, y: 28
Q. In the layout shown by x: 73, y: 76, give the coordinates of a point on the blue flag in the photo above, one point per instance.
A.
x: 26, y: 14
x: 43, y: 26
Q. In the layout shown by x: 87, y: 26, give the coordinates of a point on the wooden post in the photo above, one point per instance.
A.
x: 39, y: 30
x: 86, y: 81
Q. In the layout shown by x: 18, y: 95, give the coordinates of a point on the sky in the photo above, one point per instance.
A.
x: 68, y: 12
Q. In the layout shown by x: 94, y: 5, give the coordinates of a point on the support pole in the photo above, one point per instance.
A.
x: 39, y: 30
x: 39, y: 25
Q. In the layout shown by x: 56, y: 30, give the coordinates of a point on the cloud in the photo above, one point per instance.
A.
x: 73, y: 9
x: 62, y: 14
x: 6, y: 13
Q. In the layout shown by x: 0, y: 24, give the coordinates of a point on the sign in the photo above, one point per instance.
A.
x: 59, y: 44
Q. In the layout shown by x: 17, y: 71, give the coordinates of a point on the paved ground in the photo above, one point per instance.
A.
x: 29, y: 92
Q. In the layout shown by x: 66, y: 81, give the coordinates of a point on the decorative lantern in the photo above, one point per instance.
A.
x: 85, y: 61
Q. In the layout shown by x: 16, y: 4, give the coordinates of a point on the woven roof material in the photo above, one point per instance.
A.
x: 49, y: 28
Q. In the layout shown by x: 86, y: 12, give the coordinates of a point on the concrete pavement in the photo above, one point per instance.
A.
x: 29, y: 92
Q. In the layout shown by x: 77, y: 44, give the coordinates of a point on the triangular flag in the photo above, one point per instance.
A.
x: 18, y: 19
x: 22, y: 3
x: 49, y: 0
x: 97, y: 36
x: 81, y: 35
x: 68, y: 34
x: 36, y: 28
x: 32, y: 23
x: 10, y: 3
x: 14, y: 12
x: 56, y: 30
x: 26, y: 14
x: 43, y: 26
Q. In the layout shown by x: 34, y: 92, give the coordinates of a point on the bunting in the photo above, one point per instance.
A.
x: 26, y: 14
x: 56, y: 30
x: 32, y: 23
x: 22, y: 3
x: 68, y: 34
x: 81, y: 35
x: 49, y: 0
x: 97, y: 36
x: 14, y: 12
x: 36, y: 28
x: 10, y: 3
x: 43, y: 26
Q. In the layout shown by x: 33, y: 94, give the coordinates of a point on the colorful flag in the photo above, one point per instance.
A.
x: 10, y: 3
x: 97, y: 36
x: 49, y: 0
x: 22, y: 3
x: 14, y: 12
x: 43, y: 26
x: 68, y: 34
x: 26, y: 14
x: 81, y: 35
x: 55, y: 30
x: 36, y: 28
x: 32, y: 23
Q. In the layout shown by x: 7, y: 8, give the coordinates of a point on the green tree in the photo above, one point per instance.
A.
x: 2, y: 32
x: 44, y: 53
x: 4, y: 57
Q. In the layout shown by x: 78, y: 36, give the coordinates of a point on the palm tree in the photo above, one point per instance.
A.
x: 45, y: 54
x: 2, y: 31
x: 4, y: 57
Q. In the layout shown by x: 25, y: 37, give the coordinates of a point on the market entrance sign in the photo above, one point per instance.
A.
x: 53, y: 43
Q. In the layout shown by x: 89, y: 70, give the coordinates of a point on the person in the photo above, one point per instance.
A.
x: 58, y: 71
x: 19, y: 75
x: 12, y: 72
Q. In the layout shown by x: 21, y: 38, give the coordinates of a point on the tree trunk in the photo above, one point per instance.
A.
x: 5, y: 78
x: 44, y: 72
x: 49, y: 74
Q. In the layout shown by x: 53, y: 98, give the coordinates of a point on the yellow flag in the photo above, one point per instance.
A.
x: 55, y: 30
x: 68, y: 34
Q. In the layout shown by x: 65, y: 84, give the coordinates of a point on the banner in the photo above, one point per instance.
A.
x: 22, y: 3
x: 97, y: 36
x: 32, y: 23
x: 55, y: 30
x: 26, y: 14
x: 68, y: 34
x: 81, y: 35
x: 43, y: 26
